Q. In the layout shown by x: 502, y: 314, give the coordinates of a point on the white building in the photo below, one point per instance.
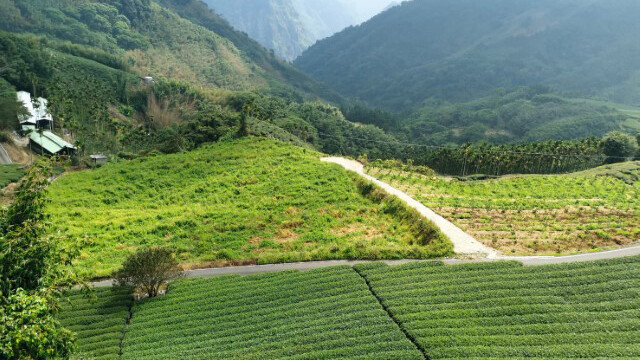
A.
x: 38, y: 116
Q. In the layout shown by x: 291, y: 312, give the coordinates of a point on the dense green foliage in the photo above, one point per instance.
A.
x: 464, y: 49
x: 505, y: 310
x: 533, y: 215
x: 486, y: 160
x: 245, y: 201
x: 98, y: 321
x: 9, y: 174
x: 619, y: 145
x: 525, y: 114
x: 31, y: 271
x: 9, y: 106
x: 156, y: 41
x: 321, y: 314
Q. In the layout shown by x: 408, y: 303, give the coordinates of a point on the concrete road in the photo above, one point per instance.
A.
x: 527, y: 261
x: 5, y: 159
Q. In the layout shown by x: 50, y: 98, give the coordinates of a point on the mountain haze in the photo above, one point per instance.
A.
x: 288, y: 27
x: 460, y: 50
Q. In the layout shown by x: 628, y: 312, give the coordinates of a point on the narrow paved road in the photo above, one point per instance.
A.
x: 5, y: 159
x: 463, y: 243
x: 262, y: 269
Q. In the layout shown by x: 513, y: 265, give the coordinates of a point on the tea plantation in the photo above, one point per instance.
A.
x: 498, y: 310
x: 535, y: 215
x: 504, y: 310
x: 322, y: 314
x: 98, y: 321
x: 9, y: 174
x: 240, y: 202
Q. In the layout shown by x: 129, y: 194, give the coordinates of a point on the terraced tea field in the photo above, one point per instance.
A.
x: 323, y: 314
x: 9, y: 174
x: 506, y: 311
x: 535, y: 215
x: 99, y: 322
x: 485, y: 311
x: 242, y: 202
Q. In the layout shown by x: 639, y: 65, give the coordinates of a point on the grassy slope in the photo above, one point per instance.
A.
x: 534, y: 215
x: 247, y: 201
x: 99, y: 322
x: 503, y: 310
x: 322, y: 314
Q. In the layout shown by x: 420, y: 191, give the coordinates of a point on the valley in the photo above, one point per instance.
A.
x: 302, y: 179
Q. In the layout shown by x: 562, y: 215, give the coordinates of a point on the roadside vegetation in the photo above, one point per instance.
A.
x: 241, y: 202
x: 533, y: 215
x: 505, y: 310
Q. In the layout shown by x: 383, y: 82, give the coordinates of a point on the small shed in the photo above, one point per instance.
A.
x: 99, y: 159
x: 46, y: 142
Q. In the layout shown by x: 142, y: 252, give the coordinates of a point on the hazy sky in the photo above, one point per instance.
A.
x: 367, y: 8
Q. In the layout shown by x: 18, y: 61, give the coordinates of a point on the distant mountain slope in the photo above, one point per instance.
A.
x: 288, y: 27
x: 163, y: 39
x: 464, y: 49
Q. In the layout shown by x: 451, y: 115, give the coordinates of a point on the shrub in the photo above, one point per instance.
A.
x: 149, y: 270
x: 618, y: 146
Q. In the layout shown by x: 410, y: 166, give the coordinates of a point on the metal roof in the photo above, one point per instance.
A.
x: 50, y: 141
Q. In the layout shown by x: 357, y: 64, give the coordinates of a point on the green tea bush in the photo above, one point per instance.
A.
x: 327, y: 313
x: 98, y: 321
x: 505, y: 310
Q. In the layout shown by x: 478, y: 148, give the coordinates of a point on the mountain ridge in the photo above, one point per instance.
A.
x: 462, y: 50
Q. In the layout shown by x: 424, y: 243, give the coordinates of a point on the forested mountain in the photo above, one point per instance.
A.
x: 173, y: 39
x: 459, y: 50
x: 288, y: 27
x: 211, y: 82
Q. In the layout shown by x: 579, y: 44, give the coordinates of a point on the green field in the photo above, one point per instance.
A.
x: 322, y: 314
x: 507, y: 311
x: 475, y: 311
x: 241, y: 202
x: 9, y: 174
x: 98, y: 321
x: 536, y: 215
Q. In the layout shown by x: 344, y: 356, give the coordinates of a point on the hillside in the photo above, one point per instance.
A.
x: 255, y: 201
x: 460, y: 50
x: 288, y: 27
x: 522, y: 115
x: 196, y: 46
x: 470, y: 311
